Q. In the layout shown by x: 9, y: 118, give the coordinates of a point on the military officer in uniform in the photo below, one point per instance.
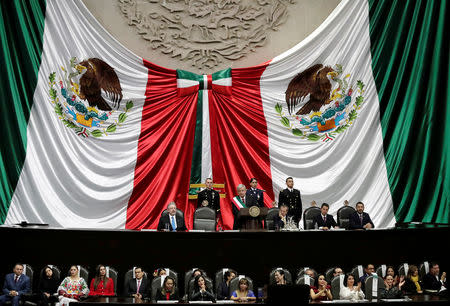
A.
x: 210, y: 196
x: 254, y: 195
x: 291, y: 198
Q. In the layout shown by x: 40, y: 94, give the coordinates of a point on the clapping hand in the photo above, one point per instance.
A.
x: 443, y: 276
x: 401, y: 282
x: 359, y: 286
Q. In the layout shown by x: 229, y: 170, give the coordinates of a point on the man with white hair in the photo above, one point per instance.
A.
x: 171, y: 221
x: 238, y: 202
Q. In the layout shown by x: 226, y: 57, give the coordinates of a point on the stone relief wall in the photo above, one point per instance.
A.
x: 205, y: 33
x: 204, y: 36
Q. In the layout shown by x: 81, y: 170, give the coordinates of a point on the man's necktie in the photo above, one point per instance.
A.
x: 360, y: 219
x: 16, y: 279
x: 138, y: 285
x: 325, y: 219
x: 174, y: 228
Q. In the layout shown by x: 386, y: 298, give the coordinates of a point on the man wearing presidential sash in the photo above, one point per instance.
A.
x: 237, y: 203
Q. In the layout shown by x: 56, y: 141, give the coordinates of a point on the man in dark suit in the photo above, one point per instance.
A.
x: 324, y: 221
x: 16, y: 284
x: 238, y: 202
x: 359, y: 219
x: 254, y: 195
x: 432, y: 281
x: 280, y: 220
x: 137, y: 287
x: 171, y: 221
x: 292, y: 198
x: 210, y: 195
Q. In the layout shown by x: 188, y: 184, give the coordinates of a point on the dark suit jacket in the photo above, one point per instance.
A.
x: 181, y: 226
x: 277, y: 222
x: 235, y: 210
x: 22, y: 286
x: 223, y: 291
x: 255, y: 197
x: 320, y: 223
x: 355, y: 222
x: 430, y: 282
x: 213, y: 198
x: 131, y: 287
x: 293, y: 200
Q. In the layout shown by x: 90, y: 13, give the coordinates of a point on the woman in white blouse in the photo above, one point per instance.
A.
x: 349, y: 291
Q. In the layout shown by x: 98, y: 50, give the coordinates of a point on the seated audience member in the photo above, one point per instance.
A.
x: 432, y: 281
x: 322, y: 292
x: 280, y: 278
x: 137, y: 287
x: 159, y: 272
x: 171, y: 221
x: 201, y: 291
x: 349, y: 291
x: 310, y: 273
x: 412, y: 282
x: 243, y: 294
x: 280, y: 220
x: 168, y: 291
x: 390, y: 291
x: 16, y: 284
x: 72, y: 288
x: 359, y: 219
x: 337, y: 271
x: 48, y: 286
x: 391, y: 271
x: 223, y: 289
x: 369, y: 269
x: 324, y: 220
x: 100, y: 284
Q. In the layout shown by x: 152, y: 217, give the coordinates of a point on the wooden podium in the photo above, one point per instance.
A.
x: 251, y: 218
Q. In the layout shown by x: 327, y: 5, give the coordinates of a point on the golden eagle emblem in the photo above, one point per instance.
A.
x: 99, y: 75
x: 313, y: 82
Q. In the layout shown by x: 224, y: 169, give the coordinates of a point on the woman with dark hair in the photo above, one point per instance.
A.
x: 391, y: 291
x: 48, y: 286
x: 201, y: 291
x: 101, y: 284
x: 349, y: 291
x: 391, y: 271
x: 243, y: 293
x: 72, y: 288
x: 168, y: 291
x: 223, y: 289
x: 280, y: 277
x: 322, y: 292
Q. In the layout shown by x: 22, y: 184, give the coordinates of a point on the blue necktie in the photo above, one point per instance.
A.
x: 174, y: 228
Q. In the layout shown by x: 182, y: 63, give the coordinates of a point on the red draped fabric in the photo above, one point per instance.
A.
x: 165, y: 148
x: 239, y: 141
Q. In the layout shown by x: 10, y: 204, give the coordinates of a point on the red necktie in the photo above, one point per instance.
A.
x: 16, y: 279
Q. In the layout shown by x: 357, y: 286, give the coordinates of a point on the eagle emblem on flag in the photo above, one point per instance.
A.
x: 86, y: 97
x: 328, y: 103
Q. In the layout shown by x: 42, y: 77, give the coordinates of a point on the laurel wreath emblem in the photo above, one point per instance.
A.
x: 334, y: 119
x: 75, y: 114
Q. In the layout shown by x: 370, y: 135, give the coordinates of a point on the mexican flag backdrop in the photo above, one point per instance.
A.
x: 94, y: 136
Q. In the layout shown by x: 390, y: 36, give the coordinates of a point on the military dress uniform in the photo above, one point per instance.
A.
x: 213, y: 198
x: 293, y: 200
x: 255, y: 197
